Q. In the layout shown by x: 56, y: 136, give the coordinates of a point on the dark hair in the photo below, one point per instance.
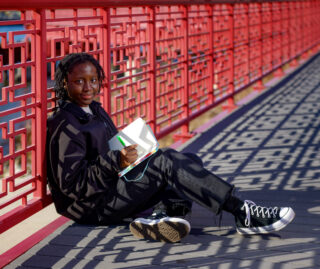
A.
x: 66, y: 65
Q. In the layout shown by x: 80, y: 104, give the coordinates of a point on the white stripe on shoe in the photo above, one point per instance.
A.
x: 286, y: 215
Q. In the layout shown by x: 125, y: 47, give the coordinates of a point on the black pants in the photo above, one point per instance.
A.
x: 170, y: 202
x: 169, y: 175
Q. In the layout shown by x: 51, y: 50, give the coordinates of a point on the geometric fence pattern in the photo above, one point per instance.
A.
x: 165, y: 63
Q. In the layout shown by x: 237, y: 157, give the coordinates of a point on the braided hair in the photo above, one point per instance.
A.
x: 65, y: 67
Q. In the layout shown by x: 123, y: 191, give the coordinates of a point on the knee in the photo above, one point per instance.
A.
x: 194, y: 157
x: 167, y: 152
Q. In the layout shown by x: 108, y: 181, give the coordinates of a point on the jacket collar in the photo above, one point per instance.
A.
x: 77, y: 111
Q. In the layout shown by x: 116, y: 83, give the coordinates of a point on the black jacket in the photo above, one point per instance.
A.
x: 81, y: 167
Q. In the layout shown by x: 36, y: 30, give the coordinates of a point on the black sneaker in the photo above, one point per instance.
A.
x: 160, y: 227
x: 253, y: 219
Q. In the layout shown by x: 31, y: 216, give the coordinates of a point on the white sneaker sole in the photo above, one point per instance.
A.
x: 168, y: 229
x: 280, y: 224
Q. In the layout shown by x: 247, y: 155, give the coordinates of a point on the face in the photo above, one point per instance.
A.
x: 83, y: 84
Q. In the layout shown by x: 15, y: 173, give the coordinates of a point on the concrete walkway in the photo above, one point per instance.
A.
x: 269, y: 149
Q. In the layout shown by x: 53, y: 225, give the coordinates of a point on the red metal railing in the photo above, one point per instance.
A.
x: 166, y: 63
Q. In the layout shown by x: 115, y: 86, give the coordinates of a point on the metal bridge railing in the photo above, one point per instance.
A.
x: 167, y: 63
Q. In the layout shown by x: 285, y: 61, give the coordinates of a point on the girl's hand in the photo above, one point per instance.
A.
x: 128, y: 155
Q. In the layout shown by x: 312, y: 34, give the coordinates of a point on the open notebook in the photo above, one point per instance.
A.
x: 137, y: 132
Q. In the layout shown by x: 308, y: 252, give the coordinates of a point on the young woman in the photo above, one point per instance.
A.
x: 82, y: 170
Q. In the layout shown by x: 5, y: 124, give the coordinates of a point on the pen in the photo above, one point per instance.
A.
x: 121, y: 141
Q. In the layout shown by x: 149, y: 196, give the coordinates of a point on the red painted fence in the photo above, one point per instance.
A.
x: 167, y: 63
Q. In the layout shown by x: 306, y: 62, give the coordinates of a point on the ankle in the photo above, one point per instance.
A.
x: 233, y: 205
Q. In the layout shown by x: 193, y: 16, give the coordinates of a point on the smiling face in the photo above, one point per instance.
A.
x: 83, y: 84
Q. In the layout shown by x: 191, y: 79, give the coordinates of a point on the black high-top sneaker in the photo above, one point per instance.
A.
x: 160, y: 227
x: 254, y: 219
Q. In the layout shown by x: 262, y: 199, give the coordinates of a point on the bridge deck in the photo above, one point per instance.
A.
x: 269, y: 148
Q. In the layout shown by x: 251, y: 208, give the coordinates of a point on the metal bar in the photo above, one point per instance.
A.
x: 185, y: 53
x: 153, y: 65
x: 41, y: 100
x: 34, y: 4
x: 211, y: 81
x: 106, y: 56
x: 230, y: 105
x: 19, y: 214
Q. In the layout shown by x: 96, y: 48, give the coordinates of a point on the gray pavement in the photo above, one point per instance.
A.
x: 268, y: 148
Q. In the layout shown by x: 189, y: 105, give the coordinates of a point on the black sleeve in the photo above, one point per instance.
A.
x: 76, y: 177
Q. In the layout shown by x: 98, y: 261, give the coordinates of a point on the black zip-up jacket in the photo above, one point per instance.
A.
x: 81, y: 168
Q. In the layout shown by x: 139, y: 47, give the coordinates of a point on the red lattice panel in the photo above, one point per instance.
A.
x: 171, y: 64
x: 200, y: 57
x: 255, y: 44
x: 285, y: 32
x: 223, y: 49
x: 130, y: 50
x: 69, y: 31
x: 241, y: 46
x: 17, y: 115
x: 254, y: 60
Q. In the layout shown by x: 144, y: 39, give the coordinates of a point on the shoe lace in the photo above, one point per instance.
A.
x: 253, y: 210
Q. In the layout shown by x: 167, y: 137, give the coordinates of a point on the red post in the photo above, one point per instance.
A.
x: 106, y: 61
x: 305, y: 29
x: 278, y: 72
x: 185, y: 134
x: 41, y: 100
x: 293, y: 34
x: 259, y: 86
x: 230, y: 105
x: 211, y: 55
x: 153, y: 66
x: 185, y: 127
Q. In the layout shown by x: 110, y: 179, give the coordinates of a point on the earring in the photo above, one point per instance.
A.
x: 65, y: 84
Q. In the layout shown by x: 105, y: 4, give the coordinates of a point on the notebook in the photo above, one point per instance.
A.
x: 137, y: 132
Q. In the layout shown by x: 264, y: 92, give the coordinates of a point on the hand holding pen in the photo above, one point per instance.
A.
x: 128, y: 154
